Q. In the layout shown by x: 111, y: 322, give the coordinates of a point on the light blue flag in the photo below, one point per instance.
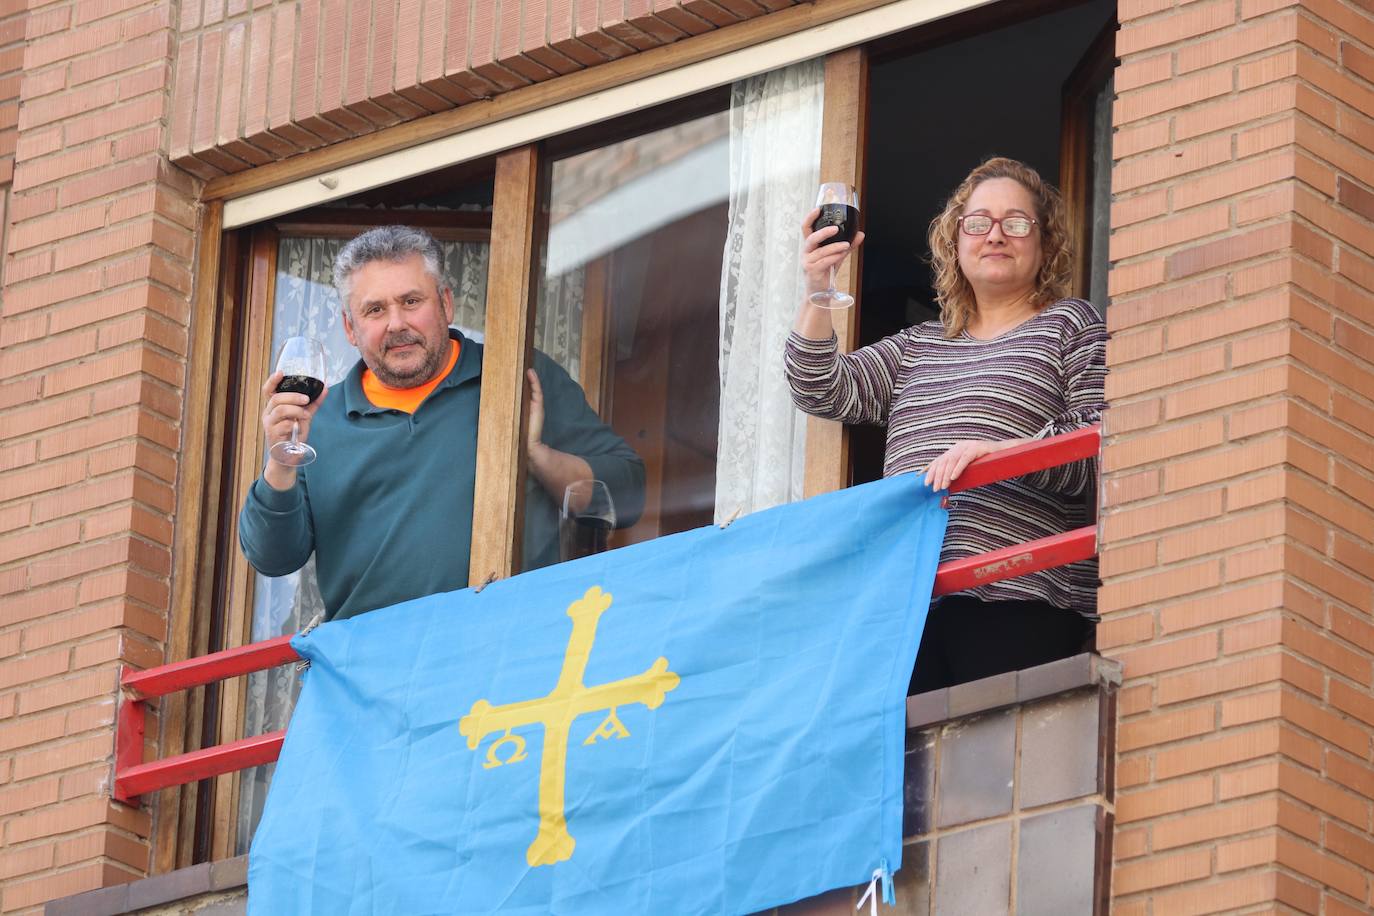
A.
x: 711, y: 722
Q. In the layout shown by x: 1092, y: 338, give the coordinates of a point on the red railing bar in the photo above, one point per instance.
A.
x: 1032, y: 456
x: 196, y: 765
x: 197, y: 672
x: 1017, y: 560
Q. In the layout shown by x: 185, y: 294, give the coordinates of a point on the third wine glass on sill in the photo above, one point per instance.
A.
x: 839, y: 206
x: 301, y: 364
x: 586, y: 520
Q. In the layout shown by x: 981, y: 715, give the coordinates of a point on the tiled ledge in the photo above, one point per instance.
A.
x: 219, y: 885
x: 217, y: 889
x: 1010, y: 689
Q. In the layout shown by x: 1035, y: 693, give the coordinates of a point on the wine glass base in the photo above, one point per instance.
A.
x: 292, y: 455
x: 831, y: 299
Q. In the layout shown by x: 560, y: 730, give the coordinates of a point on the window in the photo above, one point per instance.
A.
x: 1036, y: 94
x: 303, y: 302
x: 630, y: 276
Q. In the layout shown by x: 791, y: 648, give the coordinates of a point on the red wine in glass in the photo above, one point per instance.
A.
x: 301, y: 363
x: 839, y: 206
x: 841, y: 215
x: 585, y: 536
x: 302, y: 384
x: 586, y: 519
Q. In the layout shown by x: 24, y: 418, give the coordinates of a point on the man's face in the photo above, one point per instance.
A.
x: 398, y: 318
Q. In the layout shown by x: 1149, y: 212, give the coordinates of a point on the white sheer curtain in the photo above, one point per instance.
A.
x: 775, y: 144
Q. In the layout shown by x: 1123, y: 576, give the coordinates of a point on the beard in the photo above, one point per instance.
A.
x: 435, y: 357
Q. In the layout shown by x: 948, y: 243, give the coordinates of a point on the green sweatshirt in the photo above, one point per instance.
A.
x: 387, y: 506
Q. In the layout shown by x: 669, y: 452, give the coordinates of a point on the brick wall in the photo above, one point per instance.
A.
x: 255, y: 85
x: 93, y: 329
x: 1239, y: 469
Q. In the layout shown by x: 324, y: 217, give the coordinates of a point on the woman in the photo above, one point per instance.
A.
x: 1010, y: 360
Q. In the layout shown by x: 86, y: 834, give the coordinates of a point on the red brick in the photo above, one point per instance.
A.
x: 25, y: 861
x: 1159, y: 373
x: 1167, y: 655
x: 48, y: 291
x: 1117, y: 630
x: 1167, y: 233
x: 1127, y: 278
x: 1178, y: 92
x: 1183, y: 158
x: 1325, y: 724
x: 102, y: 843
x: 1166, y: 303
x: 1134, y: 139
x: 34, y: 542
x: 1121, y: 489
x: 44, y: 477
x: 1125, y: 418
x: 30, y: 731
x: 1199, y: 20
x: 48, y: 352
x: 1237, y: 388
x: 1179, y: 510
x: 1168, y: 799
x: 1239, y: 247
x: 1251, y: 708
x: 1161, y: 871
x: 1230, y: 605
x: 1168, y: 442
x: 54, y: 759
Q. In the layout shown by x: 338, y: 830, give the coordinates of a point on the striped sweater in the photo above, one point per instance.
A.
x: 1041, y: 378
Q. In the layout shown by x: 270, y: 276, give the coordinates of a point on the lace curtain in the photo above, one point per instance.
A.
x: 775, y: 143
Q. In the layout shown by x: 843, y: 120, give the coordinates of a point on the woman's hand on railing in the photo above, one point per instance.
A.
x: 946, y: 469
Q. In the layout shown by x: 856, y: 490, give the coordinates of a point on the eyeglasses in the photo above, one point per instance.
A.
x: 1016, y: 227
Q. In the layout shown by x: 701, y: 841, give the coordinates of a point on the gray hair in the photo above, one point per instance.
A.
x: 387, y: 243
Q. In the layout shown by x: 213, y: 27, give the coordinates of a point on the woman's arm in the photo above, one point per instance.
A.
x: 854, y: 387
x: 1084, y: 373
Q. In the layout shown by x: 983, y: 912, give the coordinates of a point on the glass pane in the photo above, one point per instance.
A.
x: 307, y: 304
x: 669, y: 277
x: 1101, y: 204
x: 628, y: 300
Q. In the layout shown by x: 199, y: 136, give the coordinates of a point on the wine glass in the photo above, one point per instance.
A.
x: 839, y: 206
x: 586, y: 519
x: 301, y: 364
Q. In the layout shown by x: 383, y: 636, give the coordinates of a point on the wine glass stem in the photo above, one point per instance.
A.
x: 832, y: 279
x: 296, y: 427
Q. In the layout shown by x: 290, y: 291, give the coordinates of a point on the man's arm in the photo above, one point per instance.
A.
x: 553, y: 469
x: 275, y: 529
x: 566, y: 441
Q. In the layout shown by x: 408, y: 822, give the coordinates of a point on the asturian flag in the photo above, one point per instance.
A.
x: 711, y: 722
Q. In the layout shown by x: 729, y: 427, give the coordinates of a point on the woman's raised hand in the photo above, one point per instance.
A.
x: 817, y: 256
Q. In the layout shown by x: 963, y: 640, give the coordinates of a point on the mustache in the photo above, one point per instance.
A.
x: 402, y: 339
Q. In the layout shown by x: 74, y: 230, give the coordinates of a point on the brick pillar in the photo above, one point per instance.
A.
x: 1239, y: 466
x: 94, y: 333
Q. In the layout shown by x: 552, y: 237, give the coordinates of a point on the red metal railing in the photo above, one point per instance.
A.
x: 133, y: 776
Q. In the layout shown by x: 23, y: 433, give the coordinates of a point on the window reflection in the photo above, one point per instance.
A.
x: 628, y: 300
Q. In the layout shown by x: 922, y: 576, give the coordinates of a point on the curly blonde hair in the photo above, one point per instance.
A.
x: 952, y: 289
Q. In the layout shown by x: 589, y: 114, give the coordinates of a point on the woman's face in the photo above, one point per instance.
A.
x: 997, y: 264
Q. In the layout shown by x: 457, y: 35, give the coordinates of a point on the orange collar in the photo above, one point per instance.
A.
x: 406, y: 400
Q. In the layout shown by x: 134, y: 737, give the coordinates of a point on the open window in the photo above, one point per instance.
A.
x: 1030, y: 81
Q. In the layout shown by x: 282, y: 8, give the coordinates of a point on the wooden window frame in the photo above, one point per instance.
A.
x: 233, y: 305
x: 1075, y: 148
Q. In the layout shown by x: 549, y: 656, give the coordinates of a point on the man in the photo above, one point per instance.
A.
x: 387, y: 505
